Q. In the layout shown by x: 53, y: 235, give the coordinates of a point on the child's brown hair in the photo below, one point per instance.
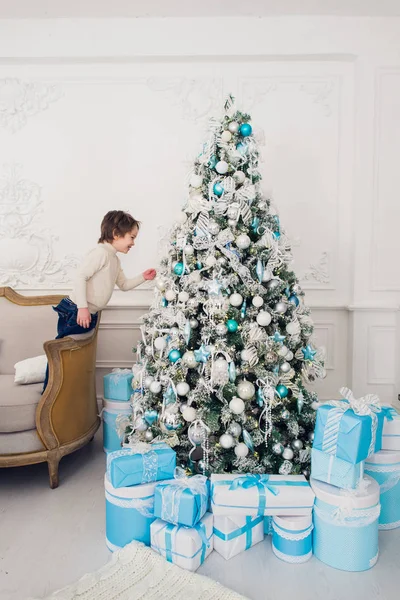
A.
x: 116, y: 222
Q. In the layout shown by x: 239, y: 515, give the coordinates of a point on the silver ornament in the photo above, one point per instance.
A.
x: 194, y: 323
x: 262, y: 205
x: 140, y: 424
x: 246, y: 390
x: 277, y: 449
x: 196, y: 434
x: 148, y: 435
x: 280, y: 307
x: 221, y: 329
x: 188, y: 250
x: 235, y: 429
x: 285, y: 415
x: 297, y: 444
x: 201, y: 466
x: 285, y: 367
x: 233, y: 127
x: 306, y: 473
x: 311, y: 436
x: 213, y: 227
x: 285, y: 468
x: 148, y: 351
x: 189, y: 359
x: 288, y: 453
x: 148, y: 381
x: 232, y: 223
x: 273, y: 284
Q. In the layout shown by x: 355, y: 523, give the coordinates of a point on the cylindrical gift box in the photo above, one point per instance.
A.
x: 346, y: 525
x: 384, y: 467
x: 129, y: 514
x: 111, y: 410
x: 292, y: 538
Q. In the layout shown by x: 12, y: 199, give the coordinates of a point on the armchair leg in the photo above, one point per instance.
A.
x: 53, y: 461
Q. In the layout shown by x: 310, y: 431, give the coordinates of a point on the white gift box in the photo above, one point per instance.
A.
x: 258, y: 495
x: 235, y: 534
x: 187, y: 547
x: 391, y: 432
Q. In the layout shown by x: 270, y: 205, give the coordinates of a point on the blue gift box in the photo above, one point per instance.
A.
x: 347, y: 435
x: 292, y: 538
x: 183, y: 501
x: 333, y: 470
x: 142, y: 463
x: 118, y: 385
x: 384, y: 467
x: 111, y: 411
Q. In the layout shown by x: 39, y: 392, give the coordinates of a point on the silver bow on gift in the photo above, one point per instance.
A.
x: 172, y: 492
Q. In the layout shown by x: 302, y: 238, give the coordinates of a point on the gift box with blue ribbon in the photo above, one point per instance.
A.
x: 183, y: 501
x: 345, y: 532
x: 384, y: 467
x: 350, y: 429
x: 236, y: 533
x: 141, y: 463
x: 333, y: 470
x: 261, y: 495
x: 129, y: 514
x: 292, y: 538
x: 391, y: 429
x: 187, y: 547
x: 118, y: 385
x: 112, y: 411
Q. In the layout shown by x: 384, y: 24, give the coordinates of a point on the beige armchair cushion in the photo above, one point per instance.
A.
x: 18, y: 405
x: 21, y: 442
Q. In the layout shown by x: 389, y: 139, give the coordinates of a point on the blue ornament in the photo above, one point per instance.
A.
x: 243, y: 309
x: 218, y: 189
x: 282, y: 390
x: 300, y: 403
x: 242, y: 148
x: 308, y: 353
x: 199, y: 265
x: 174, y: 355
x: 212, y: 162
x: 245, y: 129
x: 260, y: 270
x: 202, y: 354
x: 255, y: 223
x: 179, y: 268
x: 294, y: 299
x: 232, y: 372
x: 247, y: 440
x: 277, y: 337
x: 150, y: 416
x: 287, y: 291
x: 164, y: 302
x: 277, y: 235
x: 169, y: 395
x: 232, y: 325
x: 260, y: 397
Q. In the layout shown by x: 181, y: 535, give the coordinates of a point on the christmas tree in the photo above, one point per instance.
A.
x: 226, y: 352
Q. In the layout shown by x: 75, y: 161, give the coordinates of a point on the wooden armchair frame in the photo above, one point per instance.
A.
x: 67, y: 414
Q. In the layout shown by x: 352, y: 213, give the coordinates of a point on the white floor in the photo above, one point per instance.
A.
x: 49, y: 538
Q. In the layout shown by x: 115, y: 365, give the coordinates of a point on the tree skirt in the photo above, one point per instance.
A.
x: 138, y: 573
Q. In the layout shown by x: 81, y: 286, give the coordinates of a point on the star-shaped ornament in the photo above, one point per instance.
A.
x: 277, y: 337
x: 214, y: 288
x: 202, y: 354
x: 308, y: 353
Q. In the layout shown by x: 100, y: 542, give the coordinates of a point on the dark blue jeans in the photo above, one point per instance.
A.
x: 67, y: 325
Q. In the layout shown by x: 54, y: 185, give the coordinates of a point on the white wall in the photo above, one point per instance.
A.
x: 104, y: 114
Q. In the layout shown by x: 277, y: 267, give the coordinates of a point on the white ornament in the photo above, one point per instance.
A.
x: 264, y: 318
x: 188, y: 250
x: 315, y: 405
x: 221, y: 329
x: 226, y: 441
x: 170, y: 295
x: 233, y: 210
x: 172, y: 409
x: 195, y: 277
x: 283, y: 350
x: 160, y: 343
x: 288, y: 453
x: 189, y: 414
x: 196, y: 181
x: 148, y: 436
x: 155, y: 387
x: 233, y: 127
x: 244, y: 355
x: 189, y: 359
x: 211, y: 260
x: 241, y: 450
x: 222, y: 167
x: 292, y: 328
x: 213, y: 227
x: 243, y: 241
x: 183, y: 296
x: 148, y: 381
x: 289, y: 355
x: 239, y: 177
x: 182, y: 218
x: 237, y: 406
x: 160, y: 284
x: 246, y: 389
x: 232, y: 223
x: 140, y: 424
x: 226, y: 136
x: 257, y: 301
x: 148, y: 351
x: 182, y: 388
x: 236, y: 299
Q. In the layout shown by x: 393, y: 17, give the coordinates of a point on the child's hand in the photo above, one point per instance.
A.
x: 83, y: 317
x: 149, y: 274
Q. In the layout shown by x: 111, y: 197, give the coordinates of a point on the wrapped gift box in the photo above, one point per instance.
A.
x: 236, y: 533
x: 333, y: 470
x: 346, y: 525
x: 384, y: 467
x: 183, y: 501
x: 142, y: 463
x: 111, y: 411
x: 187, y: 547
x: 251, y: 495
x: 292, y: 538
x: 118, y: 385
x: 129, y: 514
x: 343, y: 433
x: 391, y: 430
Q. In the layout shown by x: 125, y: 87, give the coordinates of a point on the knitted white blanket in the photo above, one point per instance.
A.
x: 138, y: 573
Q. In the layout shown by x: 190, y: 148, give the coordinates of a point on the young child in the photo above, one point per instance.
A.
x: 97, y: 276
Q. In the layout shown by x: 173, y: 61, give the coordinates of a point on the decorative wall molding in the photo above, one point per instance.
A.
x: 20, y: 100
x: 318, y: 271
x: 381, y: 347
x: 27, y: 249
x: 120, y: 325
x: 328, y: 327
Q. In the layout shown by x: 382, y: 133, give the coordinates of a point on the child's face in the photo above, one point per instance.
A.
x: 123, y: 243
